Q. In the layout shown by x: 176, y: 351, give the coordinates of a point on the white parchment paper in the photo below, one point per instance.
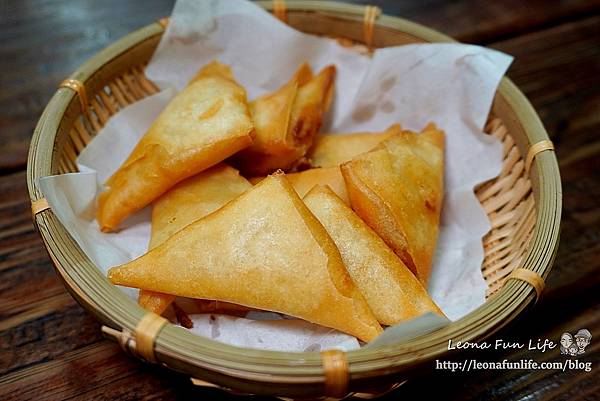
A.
x: 271, y: 333
x: 450, y: 84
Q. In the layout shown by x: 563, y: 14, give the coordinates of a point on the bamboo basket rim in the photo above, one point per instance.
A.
x: 114, y: 308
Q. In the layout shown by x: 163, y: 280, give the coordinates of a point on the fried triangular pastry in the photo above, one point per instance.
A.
x: 205, y: 123
x: 265, y: 250
x: 397, y: 189
x: 183, y: 204
x: 305, y: 180
x: 334, y: 149
x: 287, y: 122
x: 391, y: 290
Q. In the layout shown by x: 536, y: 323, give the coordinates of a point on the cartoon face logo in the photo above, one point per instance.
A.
x: 575, y: 345
x: 566, y: 340
x: 582, y: 339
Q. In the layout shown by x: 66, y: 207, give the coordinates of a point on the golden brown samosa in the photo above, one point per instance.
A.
x: 397, y: 189
x: 264, y: 249
x: 183, y: 204
x: 256, y: 180
x: 334, y: 149
x: 305, y: 180
x: 156, y: 302
x: 287, y: 122
x: 220, y: 307
x: 391, y: 290
x: 193, y: 199
x: 204, y: 124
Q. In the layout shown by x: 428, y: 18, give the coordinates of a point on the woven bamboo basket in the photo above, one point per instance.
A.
x: 523, y: 204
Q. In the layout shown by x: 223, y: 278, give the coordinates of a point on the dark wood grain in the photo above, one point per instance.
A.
x: 50, y: 348
x: 45, y: 41
x: 558, y: 70
x: 38, y: 319
x: 477, y: 21
x: 101, y: 372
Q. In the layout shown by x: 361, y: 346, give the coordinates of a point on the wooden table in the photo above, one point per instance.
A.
x: 50, y: 348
